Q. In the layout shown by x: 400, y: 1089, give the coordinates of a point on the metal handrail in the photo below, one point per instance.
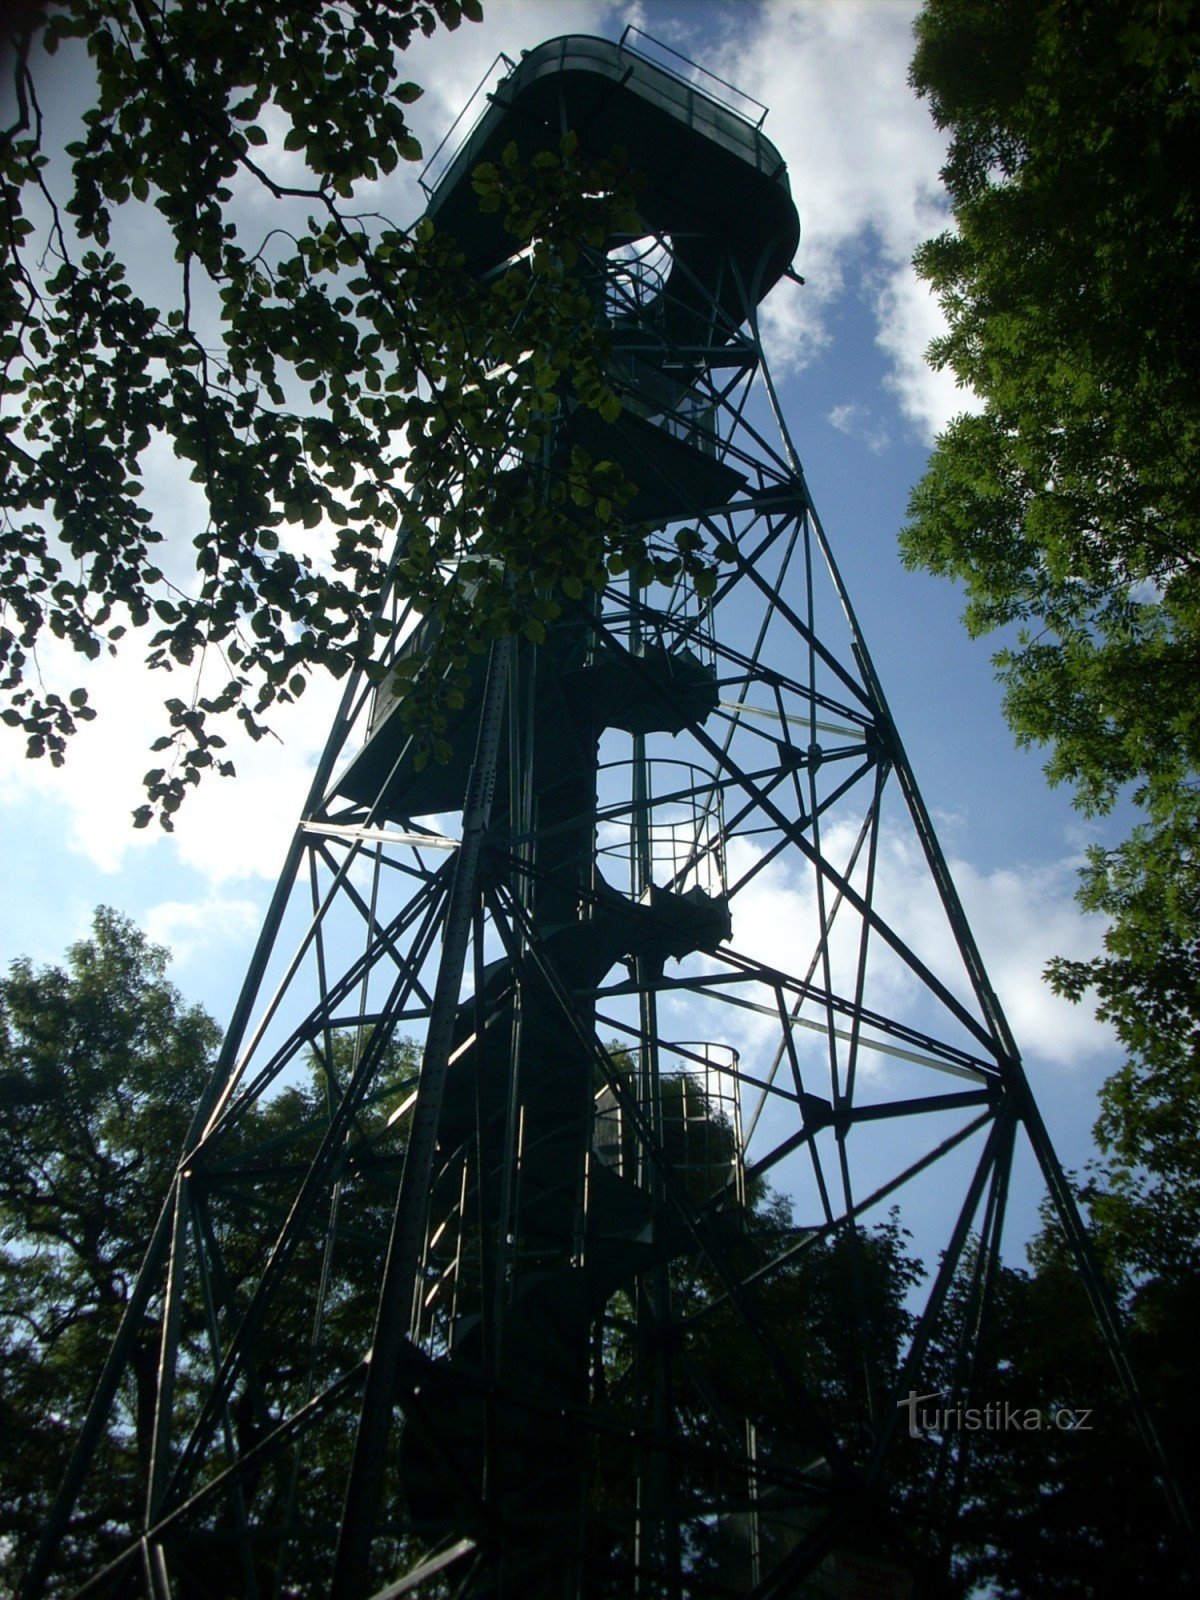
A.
x: 449, y: 134
x: 683, y: 847
x: 428, y: 184
x: 695, y: 66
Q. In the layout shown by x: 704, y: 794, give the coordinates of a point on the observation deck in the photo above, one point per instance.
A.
x: 707, y: 173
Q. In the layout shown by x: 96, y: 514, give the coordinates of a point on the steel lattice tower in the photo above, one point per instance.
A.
x: 594, y: 1359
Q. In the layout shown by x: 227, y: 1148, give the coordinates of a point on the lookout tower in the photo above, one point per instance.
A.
x: 597, y: 1293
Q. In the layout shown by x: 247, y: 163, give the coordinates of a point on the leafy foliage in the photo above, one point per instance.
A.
x: 101, y: 1065
x: 354, y: 408
x: 101, y: 1068
x: 1070, y: 507
x: 1066, y: 1507
x: 1069, y: 510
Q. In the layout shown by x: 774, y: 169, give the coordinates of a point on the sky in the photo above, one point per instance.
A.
x: 848, y: 351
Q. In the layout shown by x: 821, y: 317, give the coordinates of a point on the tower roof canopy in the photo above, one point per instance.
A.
x: 705, y: 170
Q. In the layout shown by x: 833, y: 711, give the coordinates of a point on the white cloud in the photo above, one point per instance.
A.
x: 794, y: 324
x: 854, y: 420
x: 1021, y: 917
x: 909, y: 318
x: 97, y: 788
x: 226, y: 829
x: 241, y: 829
x: 864, y: 158
x: 192, y: 928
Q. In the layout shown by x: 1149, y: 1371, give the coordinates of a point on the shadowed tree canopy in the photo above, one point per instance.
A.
x: 102, y: 1065
x: 1069, y: 507
x: 1067, y: 1508
x: 202, y: 275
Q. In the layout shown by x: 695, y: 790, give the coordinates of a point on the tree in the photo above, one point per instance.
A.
x: 1063, y: 1505
x: 321, y: 373
x: 102, y: 1065
x: 1069, y: 510
x: 1089, y: 1513
x: 1069, y: 507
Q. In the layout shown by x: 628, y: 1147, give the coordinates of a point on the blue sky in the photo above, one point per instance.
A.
x: 863, y: 407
